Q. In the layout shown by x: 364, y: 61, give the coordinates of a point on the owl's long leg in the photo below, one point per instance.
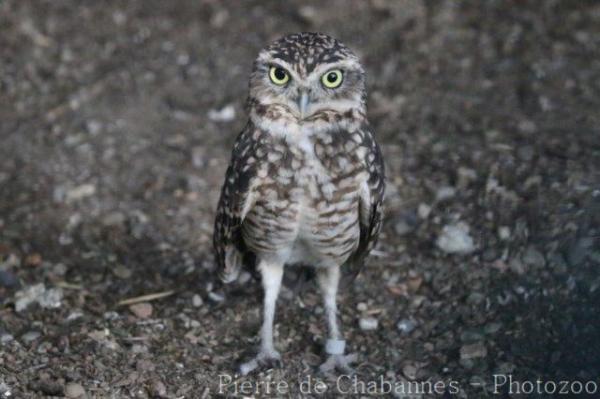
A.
x: 329, y: 279
x: 272, y: 274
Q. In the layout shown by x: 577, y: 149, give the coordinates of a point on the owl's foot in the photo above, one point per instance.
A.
x: 339, y: 363
x: 264, y: 360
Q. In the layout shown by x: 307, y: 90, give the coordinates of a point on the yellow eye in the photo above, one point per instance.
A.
x: 278, y: 75
x: 332, y: 79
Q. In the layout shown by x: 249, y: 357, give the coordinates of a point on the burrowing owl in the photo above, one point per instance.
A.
x: 306, y: 179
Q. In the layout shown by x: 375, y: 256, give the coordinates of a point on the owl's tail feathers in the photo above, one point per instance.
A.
x: 233, y: 264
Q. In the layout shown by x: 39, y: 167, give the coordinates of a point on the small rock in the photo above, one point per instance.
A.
x: 309, y: 14
x: 444, y: 193
x: 122, y: 272
x: 6, y: 338
x: 533, y: 257
x: 59, y: 269
x: 11, y: 261
x: 197, y: 301
x: 5, y: 391
x: 504, y: 233
x: 74, y: 316
x: 30, y: 336
x: 456, y: 239
x: 517, y: 266
x: 74, y: 390
x: 406, y: 326
x: 219, y: 18
x: 114, y: 219
x: 368, y: 323
x: 80, y: 192
x: 215, y: 297
x: 158, y: 389
x: 465, y: 176
x: 473, y: 351
x: 225, y: 114
x: 423, y: 211
x: 410, y: 371
x: 51, y: 299
x: 33, y: 260
x: 476, y: 298
x: 111, y: 315
x: 471, y: 336
x: 143, y: 365
x: 492, y: 328
x: 38, y: 294
x: 141, y: 310
x: 362, y: 307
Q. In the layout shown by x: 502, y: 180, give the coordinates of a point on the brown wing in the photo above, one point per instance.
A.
x: 234, y: 203
x: 371, y: 205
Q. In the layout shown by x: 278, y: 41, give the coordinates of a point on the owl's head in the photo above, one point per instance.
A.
x: 304, y: 76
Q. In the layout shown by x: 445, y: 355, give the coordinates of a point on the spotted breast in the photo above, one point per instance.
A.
x: 306, y: 207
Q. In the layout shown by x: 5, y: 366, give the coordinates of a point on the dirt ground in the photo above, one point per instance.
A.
x: 116, y: 122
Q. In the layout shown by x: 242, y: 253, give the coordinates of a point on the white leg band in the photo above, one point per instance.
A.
x: 335, y: 346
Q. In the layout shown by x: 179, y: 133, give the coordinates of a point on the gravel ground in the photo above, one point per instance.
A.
x: 117, y: 119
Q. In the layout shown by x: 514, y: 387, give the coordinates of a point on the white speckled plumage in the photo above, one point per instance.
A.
x: 306, y: 180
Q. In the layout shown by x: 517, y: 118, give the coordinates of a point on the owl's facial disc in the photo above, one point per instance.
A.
x: 305, y: 78
x: 334, y: 87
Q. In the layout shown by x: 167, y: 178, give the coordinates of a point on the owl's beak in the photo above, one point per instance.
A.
x: 303, y: 103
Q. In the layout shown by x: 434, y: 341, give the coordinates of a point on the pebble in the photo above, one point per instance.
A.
x: 74, y: 316
x: 158, y: 388
x: 225, y: 114
x: 5, y: 391
x: 33, y: 260
x: 114, y: 219
x: 197, y: 301
x: 51, y: 298
x: 455, y: 238
x: 492, y: 328
x: 473, y: 351
x: 504, y: 233
x: 141, y: 310
x: 444, y: 193
x: 471, y: 336
x: 74, y: 390
x: 60, y: 269
x: 533, y: 257
x: 406, y: 326
x: 80, y: 192
x: 31, y: 336
x: 410, y: 371
x: 517, y: 266
x: 423, y: 210
x: 122, y: 272
x: 465, y: 176
x: 213, y: 296
x: 368, y: 323
x: 362, y: 307
x: 6, y: 338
